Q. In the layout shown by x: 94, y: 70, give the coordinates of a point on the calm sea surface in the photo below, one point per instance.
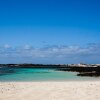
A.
x: 36, y: 74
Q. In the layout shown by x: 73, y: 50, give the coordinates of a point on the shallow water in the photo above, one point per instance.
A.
x: 38, y: 74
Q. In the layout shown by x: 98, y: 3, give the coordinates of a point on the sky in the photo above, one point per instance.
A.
x: 50, y: 31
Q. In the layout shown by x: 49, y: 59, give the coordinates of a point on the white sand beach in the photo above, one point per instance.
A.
x: 71, y: 90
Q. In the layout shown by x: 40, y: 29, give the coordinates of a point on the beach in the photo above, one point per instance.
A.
x: 46, y: 90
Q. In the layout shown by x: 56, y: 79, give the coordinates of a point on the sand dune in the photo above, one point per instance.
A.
x: 87, y: 90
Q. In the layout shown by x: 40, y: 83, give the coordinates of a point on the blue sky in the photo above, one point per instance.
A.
x: 49, y: 31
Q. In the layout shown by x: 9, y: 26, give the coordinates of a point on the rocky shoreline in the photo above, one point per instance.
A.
x: 82, y: 71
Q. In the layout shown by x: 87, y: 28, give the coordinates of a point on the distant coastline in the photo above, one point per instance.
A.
x: 92, y: 70
x: 45, y: 65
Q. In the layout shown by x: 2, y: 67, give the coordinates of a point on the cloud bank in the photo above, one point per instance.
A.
x: 50, y: 54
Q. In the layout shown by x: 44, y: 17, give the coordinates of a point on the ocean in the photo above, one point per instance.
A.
x: 39, y: 74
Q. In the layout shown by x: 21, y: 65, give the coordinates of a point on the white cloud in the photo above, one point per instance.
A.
x: 52, y: 52
x: 27, y: 47
x: 6, y: 46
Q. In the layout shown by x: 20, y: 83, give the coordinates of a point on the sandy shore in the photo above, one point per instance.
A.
x: 50, y: 90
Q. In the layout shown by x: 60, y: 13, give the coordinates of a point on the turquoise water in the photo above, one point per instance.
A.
x: 34, y: 74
